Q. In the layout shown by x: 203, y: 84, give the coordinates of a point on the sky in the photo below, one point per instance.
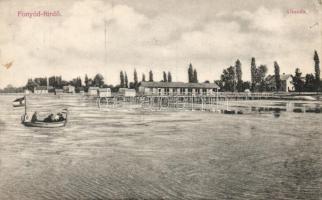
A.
x: 96, y: 36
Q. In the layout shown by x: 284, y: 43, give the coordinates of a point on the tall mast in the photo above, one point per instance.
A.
x: 105, y: 40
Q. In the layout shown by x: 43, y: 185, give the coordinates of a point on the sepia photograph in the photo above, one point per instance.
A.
x: 151, y: 99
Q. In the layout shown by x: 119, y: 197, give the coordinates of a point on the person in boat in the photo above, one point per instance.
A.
x: 50, y: 118
x: 34, y: 117
x: 54, y: 118
x: 60, y: 117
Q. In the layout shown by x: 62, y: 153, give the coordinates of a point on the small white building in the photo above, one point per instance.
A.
x: 286, y: 83
x: 41, y: 90
x: 127, y: 92
x: 92, y: 91
x: 104, y: 92
x: 69, y: 89
x: 27, y: 91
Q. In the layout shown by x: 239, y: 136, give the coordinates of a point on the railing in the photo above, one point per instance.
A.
x: 213, y: 94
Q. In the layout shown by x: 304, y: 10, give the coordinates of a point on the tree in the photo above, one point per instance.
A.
x: 131, y: 85
x: 246, y: 85
x: 297, y: 81
x: 143, y: 77
x: 31, y: 85
x: 135, y: 75
x: 228, y: 79
x: 239, y: 76
x: 190, y: 74
x: 253, y: 73
x: 261, y: 72
x: 277, y: 76
x: 151, y: 76
x: 195, y: 76
x: 317, y: 70
x: 165, y: 77
x: 126, y: 81
x: 220, y: 84
x: 309, y: 85
x: 86, y: 81
x: 78, y: 82
x: 41, y: 81
x: 98, y: 80
x: 260, y: 76
x: 90, y: 82
x: 52, y: 81
x: 169, y: 77
x: 122, y: 79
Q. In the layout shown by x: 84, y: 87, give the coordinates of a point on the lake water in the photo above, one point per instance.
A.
x: 122, y: 154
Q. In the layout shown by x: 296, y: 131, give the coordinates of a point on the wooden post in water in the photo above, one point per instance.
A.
x: 227, y: 105
x: 192, y: 103
x: 25, y: 105
x: 201, y: 103
x: 99, y: 102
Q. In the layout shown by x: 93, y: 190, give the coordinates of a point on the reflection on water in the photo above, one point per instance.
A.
x: 118, y: 154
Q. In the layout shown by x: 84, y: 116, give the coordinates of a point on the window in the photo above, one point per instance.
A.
x: 189, y: 91
x: 166, y: 90
x: 204, y: 91
x: 181, y: 90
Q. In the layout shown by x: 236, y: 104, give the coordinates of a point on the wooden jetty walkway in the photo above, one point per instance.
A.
x: 215, y: 101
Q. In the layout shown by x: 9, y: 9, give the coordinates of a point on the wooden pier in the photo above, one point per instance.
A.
x: 214, y: 102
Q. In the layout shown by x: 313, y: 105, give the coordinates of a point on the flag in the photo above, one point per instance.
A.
x: 19, y: 99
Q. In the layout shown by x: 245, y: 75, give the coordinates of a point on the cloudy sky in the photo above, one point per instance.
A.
x: 151, y: 34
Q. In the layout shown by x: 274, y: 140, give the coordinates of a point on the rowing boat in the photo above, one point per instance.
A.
x: 44, y: 124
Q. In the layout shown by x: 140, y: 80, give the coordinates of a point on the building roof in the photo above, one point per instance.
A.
x: 126, y: 89
x: 104, y: 89
x: 69, y: 86
x: 284, y: 77
x: 41, y: 88
x: 93, y: 88
x: 179, y: 85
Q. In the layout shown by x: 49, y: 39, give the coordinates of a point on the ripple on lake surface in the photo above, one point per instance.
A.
x: 119, y: 154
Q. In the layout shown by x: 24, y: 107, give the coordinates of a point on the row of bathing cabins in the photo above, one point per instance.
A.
x: 145, y: 89
x: 160, y: 94
x: 160, y: 89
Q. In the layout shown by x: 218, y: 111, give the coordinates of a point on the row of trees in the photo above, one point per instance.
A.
x: 231, y: 78
x: 310, y: 82
x: 192, y: 74
x: 124, y: 83
x: 96, y: 81
x: 167, y: 77
x: 58, y: 83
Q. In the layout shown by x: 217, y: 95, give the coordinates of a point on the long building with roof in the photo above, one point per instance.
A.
x: 177, y: 88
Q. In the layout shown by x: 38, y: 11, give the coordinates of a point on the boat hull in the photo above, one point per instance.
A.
x: 41, y: 124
